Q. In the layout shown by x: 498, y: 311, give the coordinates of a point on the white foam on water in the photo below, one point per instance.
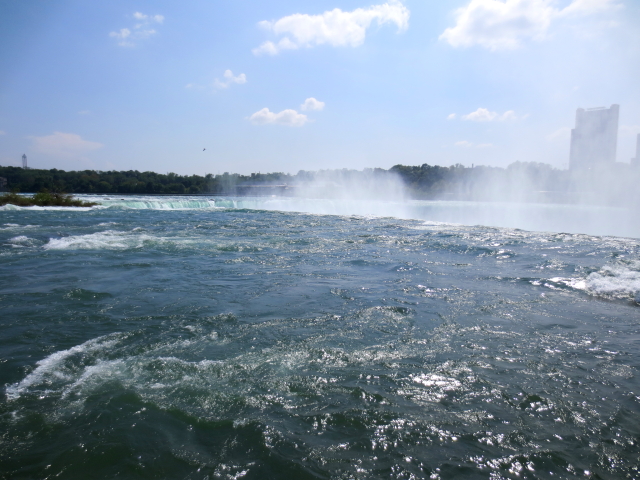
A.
x: 53, y: 368
x: 532, y: 217
x: 136, y: 239
x: 616, y: 281
x: 10, y: 207
x: 157, y: 203
x: 432, y: 380
x: 20, y: 241
x: 107, y: 240
x: 96, y: 374
x: 9, y: 227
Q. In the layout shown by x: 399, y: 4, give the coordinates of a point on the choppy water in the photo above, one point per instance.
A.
x: 193, y: 339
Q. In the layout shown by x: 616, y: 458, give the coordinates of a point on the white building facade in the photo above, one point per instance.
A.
x: 595, y: 138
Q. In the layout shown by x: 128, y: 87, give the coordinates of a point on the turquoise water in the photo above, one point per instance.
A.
x: 238, y: 338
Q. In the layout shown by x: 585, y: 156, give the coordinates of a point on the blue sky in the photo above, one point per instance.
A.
x: 289, y: 85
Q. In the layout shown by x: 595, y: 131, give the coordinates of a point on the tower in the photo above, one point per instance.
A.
x: 595, y: 138
x: 24, y: 161
x: 635, y: 162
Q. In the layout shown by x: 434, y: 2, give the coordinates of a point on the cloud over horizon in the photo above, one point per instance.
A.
x: 66, y: 145
x: 335, y: 27
x: 484, y: 115
x: 503, y: 25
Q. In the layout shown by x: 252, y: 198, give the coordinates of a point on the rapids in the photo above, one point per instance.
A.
x: 288, y: 338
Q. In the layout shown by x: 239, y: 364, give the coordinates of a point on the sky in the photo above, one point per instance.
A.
x: 243, y: 86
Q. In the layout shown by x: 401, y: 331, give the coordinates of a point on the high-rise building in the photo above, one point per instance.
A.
x: 595, y: 137
x: 636, y: 161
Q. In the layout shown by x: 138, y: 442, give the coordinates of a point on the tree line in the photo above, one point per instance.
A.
x: 132, y: 181
x: 520, y: 181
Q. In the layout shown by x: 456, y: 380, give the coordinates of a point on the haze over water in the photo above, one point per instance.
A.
x: 282, y: 338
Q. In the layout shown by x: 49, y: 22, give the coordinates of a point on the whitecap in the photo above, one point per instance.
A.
x: 617, y: 281
x: 109, y: 240
x: 53, y: 368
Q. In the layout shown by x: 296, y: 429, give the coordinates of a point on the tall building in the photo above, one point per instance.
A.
x: 636, y: 161
x: 595, y: 138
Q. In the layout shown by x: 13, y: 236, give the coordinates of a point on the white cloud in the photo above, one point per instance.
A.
x: 122, y: 36
x: 335, y: 27
x: 2, y: 132
x: 148, y: 18
x: 588, y: 7
x: 312, y: 104
x: 84, y: 112
x: 502, y: 25
x: 484, y: 115
x: 467, y: 144
x: 451, y: 116
x: 66, y: 145
x: 271, y: 48
x: 127, y: 37
x: 267, y: 48
x: 229, y: 78
x: 286, y: 117
x: 480, y: 115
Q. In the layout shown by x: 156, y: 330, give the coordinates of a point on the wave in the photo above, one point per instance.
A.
x: 22, y: 241
x: 109, y: 240
x: 620, y: 280
x: 617, y: 281
x: 135, y: 239
x: 57, y: 368
x: 284, y: 204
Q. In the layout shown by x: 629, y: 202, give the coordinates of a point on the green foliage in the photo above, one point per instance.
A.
x: 131, y: 182
x: 15, y: 199
x: 44, y: 199
x: 91, y: 181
